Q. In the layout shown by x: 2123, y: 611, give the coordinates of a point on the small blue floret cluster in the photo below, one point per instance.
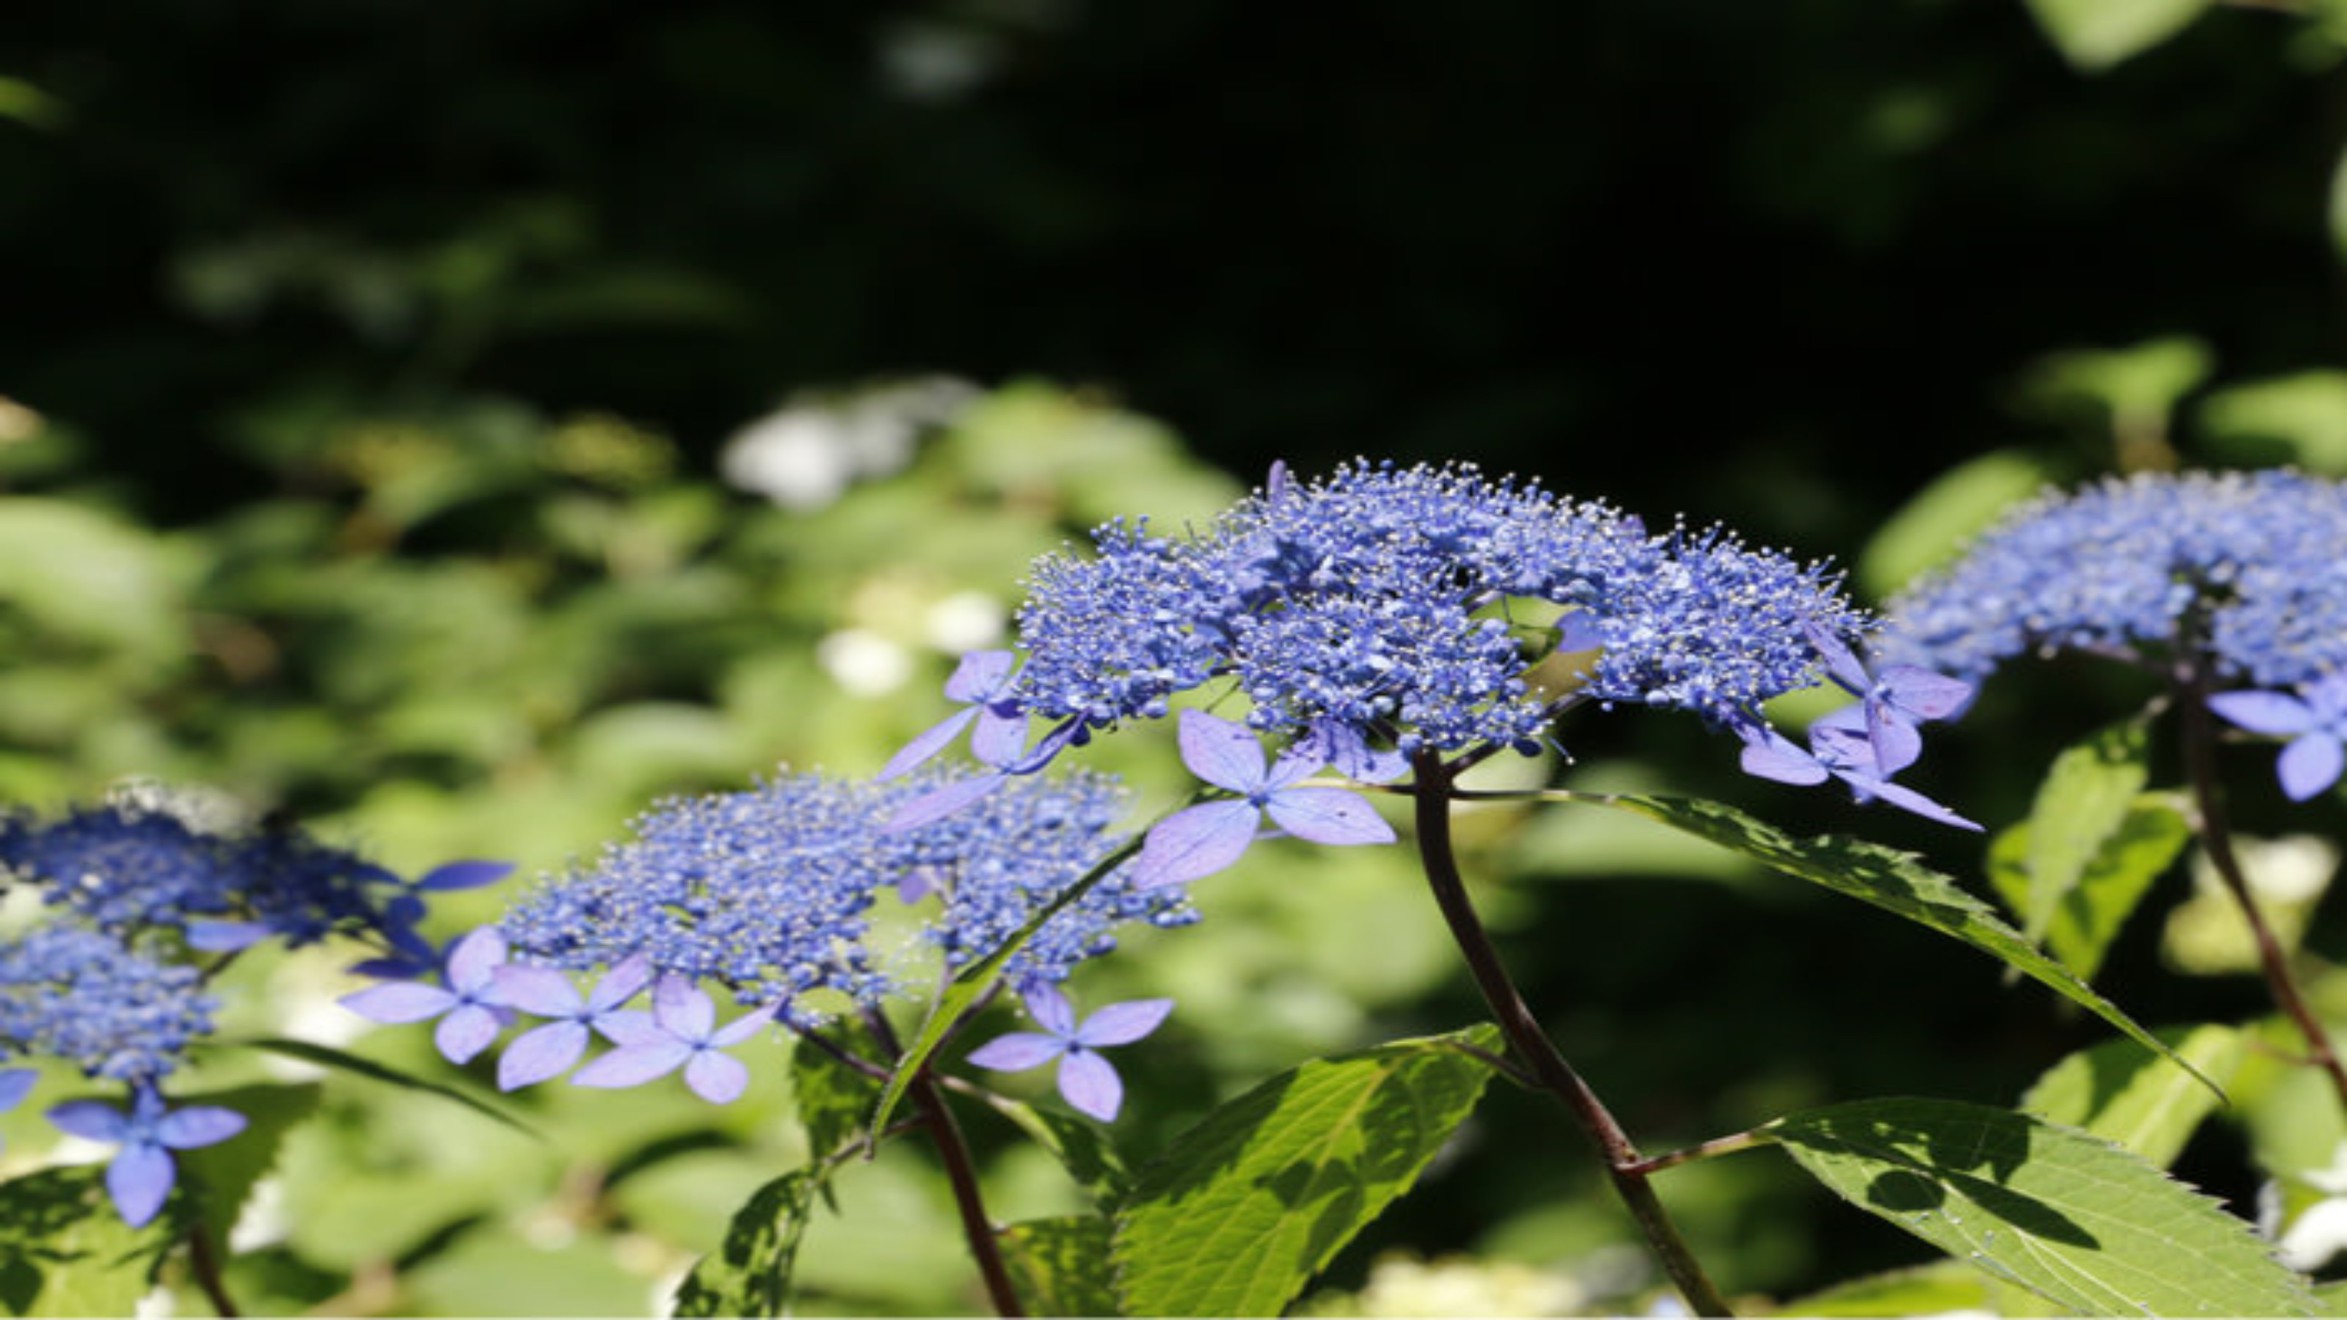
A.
x: 140, y: 906
x: 2241, y: 575
x: 767, y: 897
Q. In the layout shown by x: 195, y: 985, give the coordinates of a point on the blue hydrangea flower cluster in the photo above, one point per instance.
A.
x: 2251, y: 566
x: 768, y: 895
x: 1386, y: 611
x: 2243, y: 574
x: 1379, y: 599
x: 77, y: 994
x: 112, y: 978
x: 768, y: 892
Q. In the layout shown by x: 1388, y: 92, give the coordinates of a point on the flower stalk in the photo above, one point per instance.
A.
x: 1432, y: 791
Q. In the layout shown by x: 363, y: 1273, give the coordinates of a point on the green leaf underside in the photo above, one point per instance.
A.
x: 64, y: 1250
x: 972, y: 984
x: 2096, y: 34
x: 750, y: 1272
x: 1084, y: 1148
x: 2087, y: 917
x: 219, y: 1178
x: 326, y: 1056
x: 2069, y: 1216
x: 1239, y: 1213
x: 1060, y: 1266
x: 1887, y: 878
x: 2085, y: 796
x: 2147, y: 1105
x: 832, y: 1098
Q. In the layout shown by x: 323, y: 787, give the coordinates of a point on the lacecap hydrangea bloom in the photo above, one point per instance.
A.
x: 767, y: 897
x: 140, y: 905
x: 1387, y: 611
x: 2240, y: 577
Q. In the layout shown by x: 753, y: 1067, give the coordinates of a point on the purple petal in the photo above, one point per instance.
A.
x: 1781, y: 761
x: 622, y: 983
x: 2310, y: 764
x: 631, y: 1026
x: 462, y: 875
x: 1122, y: 1024
x: 541, y: 1053
x: 717, y: 1078
x: 1017, y: 1052
x: 925, y: 744
x: 140, y: 1181
x: 1328, y: 815
x: 1577, y: 632
x: 1090, y: 1084
x: 399, y: 1001
x: 980, y: 675
x: 1907, y: 799
x: 1841, y: 663
x: 1896, y: 744
x: 465, y: 1032
x: 939, y: 803
x: 225, y: 936
x: 1221, y: 753
x: 2265, y: 712
x: 15, y: 1085
x: 747, y: 1025
x: 1922, y: 693
x: 91, y: 1120
x: 1295, y: 764
x: 1194, y: 842
x: 1354, y: 758
x: 539, y: 990
x: 634, y: 1065
x: 681, y: 1009
x: 1054, y: 740
x: 1049, y: 1006
x: 198, y: 1125
x: 1000, y: 739
x: 472, y: 961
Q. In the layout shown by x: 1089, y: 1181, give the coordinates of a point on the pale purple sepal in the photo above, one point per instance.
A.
x: 1195, y: 842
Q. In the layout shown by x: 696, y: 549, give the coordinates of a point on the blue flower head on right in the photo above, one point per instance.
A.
x: 2239, y: 577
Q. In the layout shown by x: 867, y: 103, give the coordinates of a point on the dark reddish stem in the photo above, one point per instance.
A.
x: 1550, y: 1072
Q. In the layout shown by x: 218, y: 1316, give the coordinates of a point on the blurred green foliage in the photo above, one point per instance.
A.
x: 368, y: 370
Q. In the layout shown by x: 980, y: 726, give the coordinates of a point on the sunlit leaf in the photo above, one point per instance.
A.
x: 2148, y: 1105
x: 1885, y: 877
x: 64, y: 1250
x: 2084, y: 798
x: 750, y: 1272
x: 2085, y: 920
x: 2069, y: 1216
x: 1239, y: 1213
x: 2096, y: 34
x: 1061, y: 1266
x: 221, y: 1176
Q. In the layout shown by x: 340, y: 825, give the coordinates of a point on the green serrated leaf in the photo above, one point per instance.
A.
x: 1239, y: 1213
x: 1061, y: 1266
x: 2085, y: 796
x: 326, y: 1056
x: 1889, y: 879
x: 2147, y: 1105
x: 1941, y: 1287
x: 65, y: 1251
x: 1084, y: 1148
x: 750, y: 1273
x: 2096, y: 34
x: 2089, y: 916
x: 832, y: 1097
x: 1941, y: 519
x: 219, y: 1178
x: 2066, y: 1215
